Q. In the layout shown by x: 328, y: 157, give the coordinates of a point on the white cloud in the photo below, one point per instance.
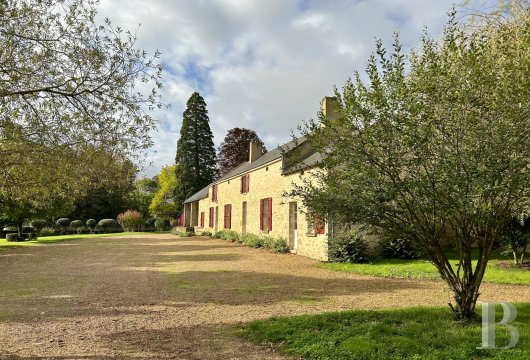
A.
x: 263, y: 65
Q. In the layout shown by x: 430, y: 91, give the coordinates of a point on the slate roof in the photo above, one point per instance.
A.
x: 201, y: 194
x: 312, y: 159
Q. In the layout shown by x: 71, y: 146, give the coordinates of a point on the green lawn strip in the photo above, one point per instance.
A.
x: 423, y: 269
x: 414, y: 333
x: 4, y: 244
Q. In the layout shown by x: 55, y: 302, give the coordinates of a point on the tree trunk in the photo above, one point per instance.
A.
x: 20, y: 223
x: 466, y: 300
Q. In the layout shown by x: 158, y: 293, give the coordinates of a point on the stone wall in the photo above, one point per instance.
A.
x: 265, y: 182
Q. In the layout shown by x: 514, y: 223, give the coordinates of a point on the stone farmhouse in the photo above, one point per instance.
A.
x: 251, y: 198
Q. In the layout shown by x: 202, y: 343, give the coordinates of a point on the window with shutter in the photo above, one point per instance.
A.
x: 261, y: 214
x: 214, y: 193
x: 269, y: 215
x: 202, y: 219
x: 228, y: 216
x: 316, y: 225
x: 210, y: 220
x: 243, y: 189
x: 265, y: 217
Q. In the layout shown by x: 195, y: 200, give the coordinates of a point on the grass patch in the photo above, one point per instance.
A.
x: 423, y: 269
x: 414, y: 333
x: 4, y: 244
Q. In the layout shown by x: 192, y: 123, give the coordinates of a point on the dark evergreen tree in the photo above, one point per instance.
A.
x: 235, y: 148
x: 195, y: 160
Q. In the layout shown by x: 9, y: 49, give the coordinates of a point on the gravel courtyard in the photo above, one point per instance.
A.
x: 159, y: 296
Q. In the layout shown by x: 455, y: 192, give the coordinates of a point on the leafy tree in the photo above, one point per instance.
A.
x: 435, y: 150
x: 108, y: 181
x: 68, y: 80
x: 195, y: 159
x: 143, y: 193
x: 163, y: 204
x: 67, y: 84
x: 234, y: 149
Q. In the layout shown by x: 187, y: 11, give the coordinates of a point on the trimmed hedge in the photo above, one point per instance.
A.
x: 91, y: 223
x: 63, y: 222
x: 76, y: 224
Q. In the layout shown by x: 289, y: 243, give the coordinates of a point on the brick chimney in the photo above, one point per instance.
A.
x: 330, y: 108
x: 256, y: 150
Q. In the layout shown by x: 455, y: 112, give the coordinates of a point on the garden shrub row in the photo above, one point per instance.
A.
x: 352, y: 246
x: 275, y: 243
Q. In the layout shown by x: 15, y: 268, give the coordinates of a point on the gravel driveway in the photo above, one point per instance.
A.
x: 158, y: 296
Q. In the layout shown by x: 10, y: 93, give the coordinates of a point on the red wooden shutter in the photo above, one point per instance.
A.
x: 319, y: 225
x: 247, y: 182
x: 229, y: 216
x: 202, y: 218
x: 269, y: 215
x: 261, y: 214
x: 241, y: 185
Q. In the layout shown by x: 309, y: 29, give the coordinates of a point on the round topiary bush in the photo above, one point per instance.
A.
x: 63, y: 222
x: 109, y: 225
x: 349, y: 246
x: 39, y: 224
x: 76, y: 224
x: 91, y: 223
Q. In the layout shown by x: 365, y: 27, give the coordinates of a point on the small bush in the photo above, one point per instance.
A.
x: 39, y: 224
x: 12, y: 237
x: 76, y: 224
x: 173, y: 223
x: 47, y: 231
x: 91, y: 223
x: 150, y: 221
x: 109, y: 225
x: 63, y: 222
x: 83, y: 230
x: 218, y: 234
x: 397, y: 248
x: 230, y: 235
x: 252, y: 240
x: 206, y: 233
x: 131, y: 220
x: 349, y: 246
x: 276, y: 243
x: 160, y: 225
x: 182, y: 233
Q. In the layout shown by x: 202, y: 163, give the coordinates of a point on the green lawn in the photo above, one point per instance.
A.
x: 414, y: 333
x: 423, y: 269
x: 4, y: 244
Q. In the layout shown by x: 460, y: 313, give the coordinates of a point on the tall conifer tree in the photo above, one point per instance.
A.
x: 195, y: 160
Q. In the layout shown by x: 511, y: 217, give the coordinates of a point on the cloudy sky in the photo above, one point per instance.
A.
x: 264, y: 64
